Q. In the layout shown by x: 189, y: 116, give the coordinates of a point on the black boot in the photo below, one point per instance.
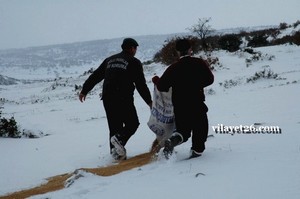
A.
x: 194, y: 154
x: 170, y: 143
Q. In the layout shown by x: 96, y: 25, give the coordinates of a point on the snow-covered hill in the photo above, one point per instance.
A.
x: 77, y: 54
x: 61, y: 60
x: 259, y: 92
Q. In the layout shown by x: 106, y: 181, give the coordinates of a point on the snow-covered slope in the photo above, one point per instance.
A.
x: 233, y: 166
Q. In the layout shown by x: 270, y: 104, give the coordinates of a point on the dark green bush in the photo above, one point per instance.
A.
x: 230, y: 42
x: 8, y: 127
x: 258, y: 40
x: 290, y: 39
x: 296, y: 23
x: 296, y: 38
x: 283, y: 26
x: 264, y: 74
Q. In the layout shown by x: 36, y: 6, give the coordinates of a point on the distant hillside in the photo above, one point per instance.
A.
x: 7, y: 80
x: 76, y: 54
x: 86, y: 53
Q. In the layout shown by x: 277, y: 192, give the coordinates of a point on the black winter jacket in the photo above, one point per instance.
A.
x: 187, y: 77
x: 122, y: 73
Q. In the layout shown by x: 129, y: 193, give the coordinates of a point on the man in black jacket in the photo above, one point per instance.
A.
x: 122, y: 73
x: 187, y: 77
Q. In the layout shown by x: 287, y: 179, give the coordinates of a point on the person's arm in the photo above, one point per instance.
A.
x: 140, y: 83
x: 96, y: 77
x: 165, y: 81
x: 207, y: 77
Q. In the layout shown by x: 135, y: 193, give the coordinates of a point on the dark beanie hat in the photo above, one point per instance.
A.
x: 129, y: 42
x: 183, y: 45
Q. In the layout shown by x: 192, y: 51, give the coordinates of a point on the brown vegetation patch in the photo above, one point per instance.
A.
x: 58, y: 182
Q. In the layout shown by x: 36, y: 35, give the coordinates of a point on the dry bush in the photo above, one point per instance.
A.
x: 168, y: 54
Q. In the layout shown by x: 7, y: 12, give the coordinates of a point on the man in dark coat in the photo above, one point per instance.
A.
x: 187, y: 77
x: 122, y: 73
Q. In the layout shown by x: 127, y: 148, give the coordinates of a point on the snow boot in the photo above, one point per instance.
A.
x: 116, y: 156
x: 119, y: 151
x: 194, y: 154
x: 170, y: 143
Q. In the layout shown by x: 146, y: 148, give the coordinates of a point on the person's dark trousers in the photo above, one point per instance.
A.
x: 122, y: 118
x: 192, y: 120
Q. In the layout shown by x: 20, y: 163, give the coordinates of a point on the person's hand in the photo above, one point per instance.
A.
x: 155, y: 79
x: 150, y: 105
x: 82, y: 97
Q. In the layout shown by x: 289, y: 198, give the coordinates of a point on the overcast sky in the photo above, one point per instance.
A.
x: 25, y: 23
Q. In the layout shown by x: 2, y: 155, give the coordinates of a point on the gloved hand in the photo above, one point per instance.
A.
x: 155, y: 79
x: 82, y: 97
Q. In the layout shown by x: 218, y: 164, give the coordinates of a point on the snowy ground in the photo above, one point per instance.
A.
x: 233, y: 166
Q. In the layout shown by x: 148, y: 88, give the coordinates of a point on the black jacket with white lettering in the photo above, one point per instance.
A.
x: 122, y: 73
